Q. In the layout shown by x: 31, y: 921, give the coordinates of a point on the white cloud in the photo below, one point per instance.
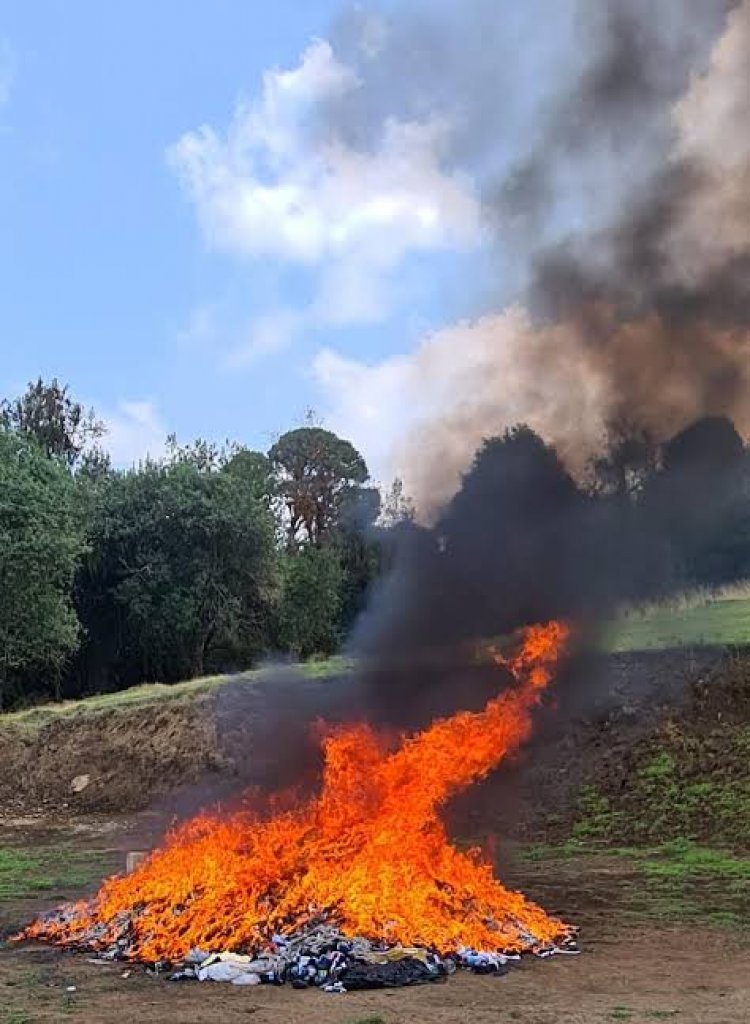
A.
x: 271, y: 186
x: 134, y: 430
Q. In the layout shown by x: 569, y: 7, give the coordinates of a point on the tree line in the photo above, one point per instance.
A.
x: 206, y: 559
x: 214, y: 557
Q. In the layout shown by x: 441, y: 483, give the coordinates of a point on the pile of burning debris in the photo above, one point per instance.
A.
x: 321, y: 956
x: 356, y: 887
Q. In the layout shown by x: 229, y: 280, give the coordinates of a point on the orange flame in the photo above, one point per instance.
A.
x: 368, y: 853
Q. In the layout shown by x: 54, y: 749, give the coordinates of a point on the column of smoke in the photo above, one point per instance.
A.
x: 641, y: 315
x: 623, y: 207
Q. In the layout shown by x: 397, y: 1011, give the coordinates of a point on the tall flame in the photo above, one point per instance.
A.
x: 369, y: 852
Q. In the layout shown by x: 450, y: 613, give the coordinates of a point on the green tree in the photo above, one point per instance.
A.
x: 41, y: 545
x: 698, y: 502
x: 315, y: 473
x: 255, y: 469
x: 61, y: 426
x: 309, y: 614
x: 357, y: 542
x: 183, y: 564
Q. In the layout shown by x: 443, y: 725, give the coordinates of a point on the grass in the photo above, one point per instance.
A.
x: 25, y: 873
x: 684, y: 861
x: 676, y: 881
x: 698, y: 618
x: 149, y: 694
x: 683, y: 785
x: 626, y: 1013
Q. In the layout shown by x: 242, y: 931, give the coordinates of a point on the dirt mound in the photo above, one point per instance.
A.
x: 647, y: 746
x: 688, y: 776
x: 109, y: 760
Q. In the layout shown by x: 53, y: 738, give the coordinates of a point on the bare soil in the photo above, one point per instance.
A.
x: 633, y: 967
x: 130, y: 756
x: 645, y: 975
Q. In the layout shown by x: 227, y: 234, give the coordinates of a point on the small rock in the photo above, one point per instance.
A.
x: 79, y: 783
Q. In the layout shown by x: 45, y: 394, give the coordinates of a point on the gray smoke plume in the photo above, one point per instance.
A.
x: 617, y: 190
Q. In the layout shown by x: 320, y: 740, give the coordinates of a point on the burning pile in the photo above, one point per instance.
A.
x: 367, y: 857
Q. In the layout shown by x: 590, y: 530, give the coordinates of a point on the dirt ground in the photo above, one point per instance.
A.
x: 651, y: 974
x: 632, y: 967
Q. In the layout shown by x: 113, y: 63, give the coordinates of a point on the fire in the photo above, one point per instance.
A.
x: 369, y: 852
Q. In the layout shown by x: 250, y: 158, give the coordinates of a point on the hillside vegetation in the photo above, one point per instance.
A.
x: 212, y: 560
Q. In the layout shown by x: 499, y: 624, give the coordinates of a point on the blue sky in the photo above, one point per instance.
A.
x: 100, y: 258
x: 108, y: 280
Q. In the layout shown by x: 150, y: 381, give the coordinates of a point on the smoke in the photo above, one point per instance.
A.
x: 612, y: 155
x: 626, y: 208
x: 614, y: 186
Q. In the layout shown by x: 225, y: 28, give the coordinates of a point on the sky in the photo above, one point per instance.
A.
x: 178, y: 247
x: 219, y: 215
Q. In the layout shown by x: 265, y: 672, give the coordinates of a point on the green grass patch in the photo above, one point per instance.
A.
x: 626, y: 1013
x: 152, y: 694
x: 680, y: 783
x: 26, y: 873
x: 679, y: 881
x: 717, y: 622
x: 683, y: 860
x: 597, y: 819
x: 541, y: 852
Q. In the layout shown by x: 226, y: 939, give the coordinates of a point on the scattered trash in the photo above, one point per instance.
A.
x: 79, y: 783
x: 395, y: 974
x: 322, y: 957
x: 247, y: 979
x: 316, y: 956
x: 186, y: 974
